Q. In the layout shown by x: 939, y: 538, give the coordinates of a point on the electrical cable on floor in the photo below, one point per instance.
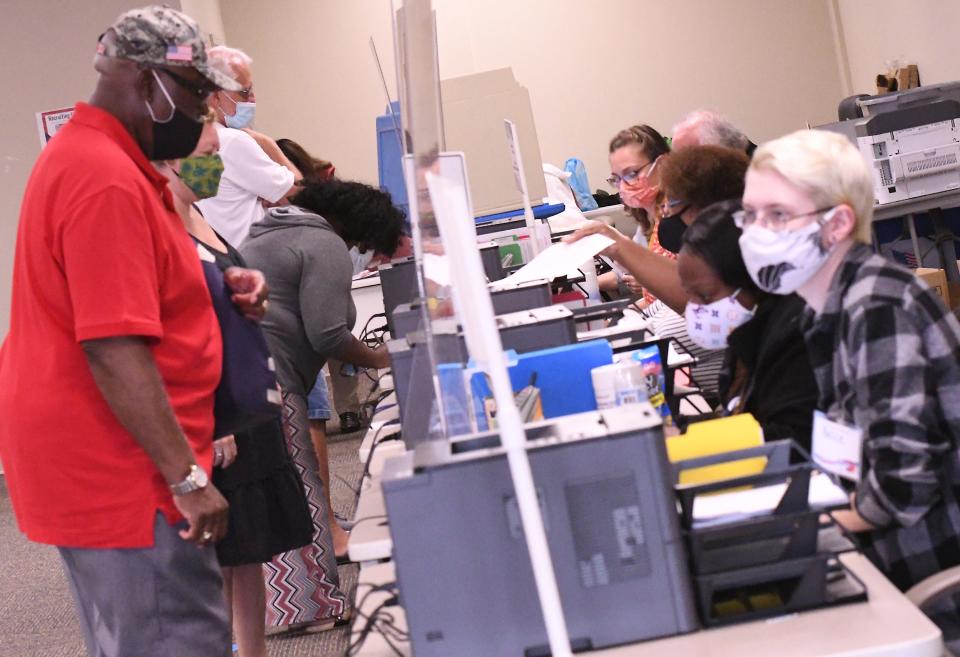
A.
x: 374, y: 588
x: 355, y: 491
x: 382, y: 622
x: 380, y: 516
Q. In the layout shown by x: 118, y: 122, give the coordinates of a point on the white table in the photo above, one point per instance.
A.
x: 385, y: 448
x: 887, y: 625
x: 370, y: 539
x: 368, y: 298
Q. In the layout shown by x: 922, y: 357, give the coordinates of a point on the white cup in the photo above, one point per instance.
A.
x: 618, y: 384
x: 605, y: 385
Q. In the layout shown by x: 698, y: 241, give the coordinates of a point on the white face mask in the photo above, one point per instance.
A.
x: 709, y: 325
x: 779, y: 262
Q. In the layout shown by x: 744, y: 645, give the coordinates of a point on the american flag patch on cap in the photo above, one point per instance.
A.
x: 179, y: 53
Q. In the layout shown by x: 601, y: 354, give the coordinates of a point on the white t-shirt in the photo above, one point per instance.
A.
x: 248, y: 176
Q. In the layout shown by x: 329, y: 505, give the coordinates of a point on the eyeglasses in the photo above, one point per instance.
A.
x: 774, y: 219
x: 199, y: 90
x: 630, y: 176
x: 673, y: 208
x: 245, y: 93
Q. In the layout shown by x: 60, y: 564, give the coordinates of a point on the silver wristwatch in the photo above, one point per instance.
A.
x: 195, y: 480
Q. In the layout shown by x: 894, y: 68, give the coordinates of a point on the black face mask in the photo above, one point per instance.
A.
x: 176, y: 137
x: 670, y: 232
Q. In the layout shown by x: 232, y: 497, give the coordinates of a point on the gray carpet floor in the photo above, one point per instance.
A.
x: 36, y: 611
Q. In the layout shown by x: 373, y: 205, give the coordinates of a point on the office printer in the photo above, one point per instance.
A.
x: 911, y: 141
x: 605, y: 491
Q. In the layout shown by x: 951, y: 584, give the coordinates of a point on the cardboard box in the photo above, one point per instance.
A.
x: 474, y: 107
x: 937, y: 279
x: 899, y: 79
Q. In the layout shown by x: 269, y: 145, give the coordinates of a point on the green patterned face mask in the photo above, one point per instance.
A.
x: 201, y: 173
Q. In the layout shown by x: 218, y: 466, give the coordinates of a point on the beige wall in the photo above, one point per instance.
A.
x: 207, y: 14
x: 48, y: 49
x: 591, y: 67
x: 922, y: 32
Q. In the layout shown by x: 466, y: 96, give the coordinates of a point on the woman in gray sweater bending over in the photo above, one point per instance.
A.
x: 303, y: 250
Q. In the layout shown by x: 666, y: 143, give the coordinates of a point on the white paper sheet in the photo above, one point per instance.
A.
x: 738, y: 505
x: 557, y: 260
x: 437, y: 269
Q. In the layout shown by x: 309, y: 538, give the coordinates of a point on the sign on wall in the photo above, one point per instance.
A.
x: 49, y: 122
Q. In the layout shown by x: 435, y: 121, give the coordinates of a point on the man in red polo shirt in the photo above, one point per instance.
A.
x: 108, y: 372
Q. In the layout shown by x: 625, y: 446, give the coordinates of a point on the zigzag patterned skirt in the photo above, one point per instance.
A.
x: 303, y: 585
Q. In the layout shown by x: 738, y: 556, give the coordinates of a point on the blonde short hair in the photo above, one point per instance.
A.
x: 827, y: 166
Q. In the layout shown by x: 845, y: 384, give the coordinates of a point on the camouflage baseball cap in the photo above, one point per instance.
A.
x: 162, y: 36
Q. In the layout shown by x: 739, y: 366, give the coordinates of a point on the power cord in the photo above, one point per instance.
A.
x: 375, y: 442
x: 380, y: 516
x: 366, y: 326
x: 380, y: 621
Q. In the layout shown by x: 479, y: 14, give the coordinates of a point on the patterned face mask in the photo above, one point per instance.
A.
x: 708, y: 325
x: 201, y: 173
x: 780, y: 261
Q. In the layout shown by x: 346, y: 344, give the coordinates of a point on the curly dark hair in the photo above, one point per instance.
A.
x: 359, y: 213
x: 703, y: 175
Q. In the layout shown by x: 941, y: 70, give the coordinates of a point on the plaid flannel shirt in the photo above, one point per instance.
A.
x: 886, y: 356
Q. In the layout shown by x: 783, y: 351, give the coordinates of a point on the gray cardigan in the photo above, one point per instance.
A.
x: 309, y: 271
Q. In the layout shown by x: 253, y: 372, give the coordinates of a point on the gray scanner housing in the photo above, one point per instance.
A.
x: 408, y: 317
x: 398, y: 278
x: 605, y: 491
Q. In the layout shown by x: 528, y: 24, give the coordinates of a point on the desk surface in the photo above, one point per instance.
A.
x: 367, y: 281
x: 887, y: 625
x: 370, y: 537
x: 942, y: 200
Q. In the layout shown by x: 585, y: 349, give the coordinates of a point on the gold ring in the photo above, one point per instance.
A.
x: 206, y: 535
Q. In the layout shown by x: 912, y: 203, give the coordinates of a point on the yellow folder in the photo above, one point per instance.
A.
x: 716, y: 437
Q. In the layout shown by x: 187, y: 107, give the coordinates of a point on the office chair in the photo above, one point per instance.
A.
x: 933, y: 588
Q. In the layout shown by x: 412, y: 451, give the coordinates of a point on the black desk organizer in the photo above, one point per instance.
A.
x: 765, y: 565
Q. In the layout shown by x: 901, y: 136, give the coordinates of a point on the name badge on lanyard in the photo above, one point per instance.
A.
x: 837, y: 448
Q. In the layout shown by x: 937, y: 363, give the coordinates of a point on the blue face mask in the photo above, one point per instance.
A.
x: 243, y: 117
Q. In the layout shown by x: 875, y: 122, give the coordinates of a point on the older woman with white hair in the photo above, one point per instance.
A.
x: 883, y: 346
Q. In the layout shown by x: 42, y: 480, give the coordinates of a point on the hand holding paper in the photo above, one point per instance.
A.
x: 558, y: 260
x: 599, y: 228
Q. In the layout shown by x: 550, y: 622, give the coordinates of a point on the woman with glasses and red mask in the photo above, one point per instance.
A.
x: 687, y: 181
x: 635, y: 154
